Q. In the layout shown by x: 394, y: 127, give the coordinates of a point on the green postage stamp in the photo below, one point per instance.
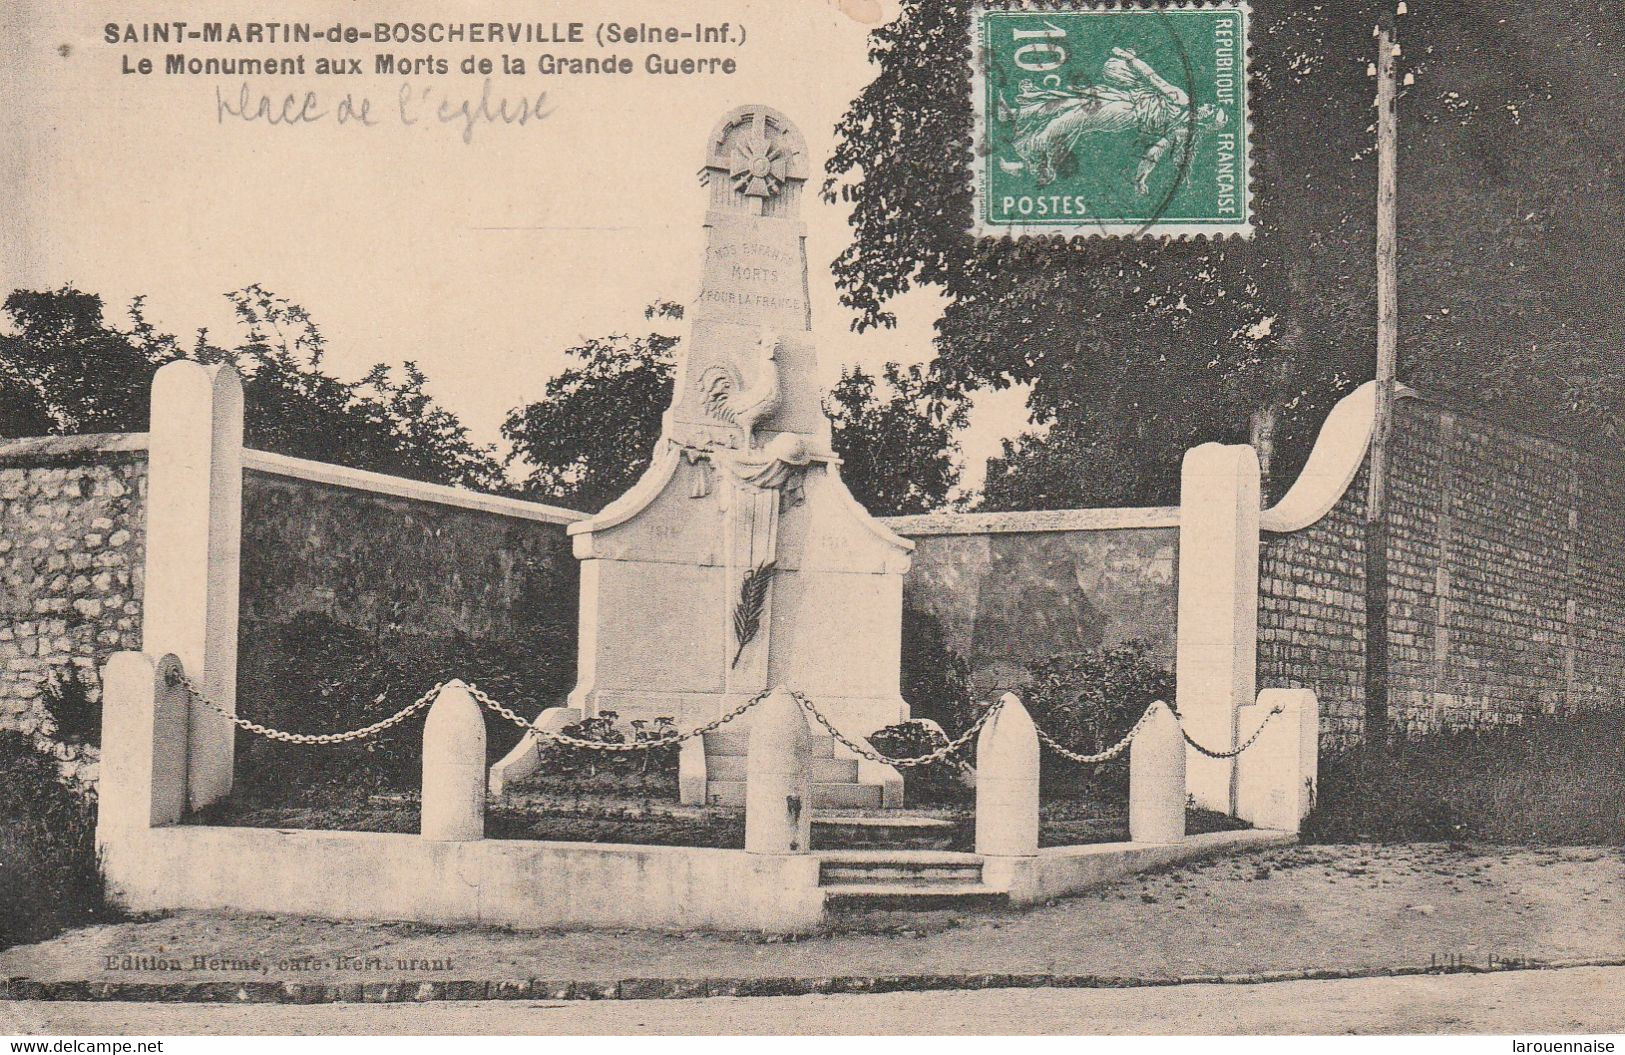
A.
x: 1111, y: 121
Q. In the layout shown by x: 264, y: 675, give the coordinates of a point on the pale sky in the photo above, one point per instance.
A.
x: 481, y: 261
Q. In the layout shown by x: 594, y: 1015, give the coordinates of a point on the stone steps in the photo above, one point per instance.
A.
x: 824, y: 770
x: 918, y: 880
x: 834, y: 779
x: 825, y: 796
x: 836, y: 873
x: 861, y: 897
x: 730, y: 742
x: 893, y: 833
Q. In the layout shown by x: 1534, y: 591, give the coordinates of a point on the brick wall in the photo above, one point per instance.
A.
x: 72, y: 544
x: 1505, y: 585
x: 1311, y: 613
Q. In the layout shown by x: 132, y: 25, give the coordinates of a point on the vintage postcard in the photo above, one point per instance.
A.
x: 865, y: 518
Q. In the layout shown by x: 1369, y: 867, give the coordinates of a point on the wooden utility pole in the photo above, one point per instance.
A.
x: 1376, y: 534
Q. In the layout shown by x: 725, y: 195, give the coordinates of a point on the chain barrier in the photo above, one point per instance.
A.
x: 899, y: 763
x: 1100, y: 756
x: 197, y: 694
x: 362, y: 733
x: 650, y: 744
x: 1231, y: 754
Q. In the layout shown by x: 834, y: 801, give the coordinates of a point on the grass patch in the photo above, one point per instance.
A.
x: 1549, y: 780
x: 50, y: 876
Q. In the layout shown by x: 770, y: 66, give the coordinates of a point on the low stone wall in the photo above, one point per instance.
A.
x: 1010, y: 590
x: 368, y: 875
x: 72, y: 542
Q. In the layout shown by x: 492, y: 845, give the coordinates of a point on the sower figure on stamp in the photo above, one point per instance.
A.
x: 1131, y: 97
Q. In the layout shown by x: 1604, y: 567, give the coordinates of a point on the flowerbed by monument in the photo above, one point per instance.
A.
x: 616, y: 811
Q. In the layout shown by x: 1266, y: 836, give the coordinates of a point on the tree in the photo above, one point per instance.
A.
x: 1135, y: 350
x: 594, y: 431
x: 293, y: 406
x: 897, y: 455
x: 65, y: 370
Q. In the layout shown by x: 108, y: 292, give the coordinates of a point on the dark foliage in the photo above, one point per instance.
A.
x: 652, y: 770
x: 1137, y: 350
x: 66, y: 697
x: 935, y: 679
x: 593, y: 432
x: 897, y: 447
x: 1549, y: 779
x: 316, y: 675
x: 936, y: 782
x: 1086, y: 701
x: 50, y: 877
x: 64, y: 369
x: 936, y: 685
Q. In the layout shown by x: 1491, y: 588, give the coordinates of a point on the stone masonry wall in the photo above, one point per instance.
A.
x: 1506, y: 582
x: 72, y: 547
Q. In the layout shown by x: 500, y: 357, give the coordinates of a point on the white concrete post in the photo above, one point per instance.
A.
x: 1156, y: 780
x: 691, y: 772
x: 144, y: 737
x: 1217, y: 652
x: 1275, y: 778
x: 454, y: 767
x: 1007, y: 783
x: 778, y: 778
x: 194, y: 539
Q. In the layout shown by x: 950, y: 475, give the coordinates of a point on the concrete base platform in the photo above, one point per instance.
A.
x: 1060, y: 870
x: 880, y: 833
x: 519, y: 883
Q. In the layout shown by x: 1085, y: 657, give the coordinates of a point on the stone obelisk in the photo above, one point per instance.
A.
x: 740, y: 561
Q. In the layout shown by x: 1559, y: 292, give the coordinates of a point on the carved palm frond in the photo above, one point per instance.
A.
x: 752, y: 602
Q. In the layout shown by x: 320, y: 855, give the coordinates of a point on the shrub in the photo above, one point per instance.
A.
x: 67, y: 698
x: 1087, y: 701
x: 316, y: 675
x: 1547, y: 779
x: 50, y: 877
x: 935, y: 679
x: 935, y: 782
x: 654, y: 766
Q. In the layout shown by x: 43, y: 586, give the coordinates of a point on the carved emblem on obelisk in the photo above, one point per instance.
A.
x: 759, y: 168
x: 758, y: 157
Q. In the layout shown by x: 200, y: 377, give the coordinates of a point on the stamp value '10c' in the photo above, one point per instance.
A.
x: 1111, y: 121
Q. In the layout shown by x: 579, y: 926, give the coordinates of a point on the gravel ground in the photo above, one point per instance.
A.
x: 1314, y: 907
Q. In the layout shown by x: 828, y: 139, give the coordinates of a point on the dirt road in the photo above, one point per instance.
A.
x: 1574, y: 1001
